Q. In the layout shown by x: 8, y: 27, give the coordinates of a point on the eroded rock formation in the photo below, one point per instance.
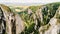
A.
x: 53, y: 27
x: 14, y: 24
x: 43, y: 20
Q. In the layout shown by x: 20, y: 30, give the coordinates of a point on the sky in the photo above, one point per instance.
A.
x: 27, y: 2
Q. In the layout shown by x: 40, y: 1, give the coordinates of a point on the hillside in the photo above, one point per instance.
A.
x: 43, y: 19
x: 38, y: 15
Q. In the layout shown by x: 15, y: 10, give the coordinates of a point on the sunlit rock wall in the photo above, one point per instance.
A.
x: 53, y: 27
x: 14, y: 24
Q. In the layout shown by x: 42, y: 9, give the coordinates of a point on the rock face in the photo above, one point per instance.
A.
x: 14, y: 24
x: 53, y: 27
x: 34, y: 20
x: 19, y: 24
x: 46, y: 20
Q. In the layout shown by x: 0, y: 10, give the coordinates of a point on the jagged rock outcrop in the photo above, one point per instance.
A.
x: 53, y: 27
x: 14, y: 24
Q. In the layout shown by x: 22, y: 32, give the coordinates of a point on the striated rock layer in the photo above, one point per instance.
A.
x: 53, y: 27
x: 14, y: 24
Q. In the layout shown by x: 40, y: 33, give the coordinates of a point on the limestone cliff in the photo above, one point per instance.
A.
x: 13, y: 22
x: 44, y: 19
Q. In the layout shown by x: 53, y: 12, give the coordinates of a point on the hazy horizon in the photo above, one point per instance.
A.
x: 27, y: 2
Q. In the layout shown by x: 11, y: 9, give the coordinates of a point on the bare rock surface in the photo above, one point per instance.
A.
x: 14, y: 24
